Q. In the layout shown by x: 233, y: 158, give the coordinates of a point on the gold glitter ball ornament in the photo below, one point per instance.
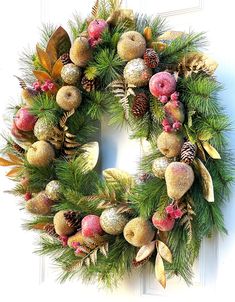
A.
x: 43, y: 129
x: 112, y: 222
x: 137, y: 73
x: 159, y: 166
x: 71, y: 74
x: 53, y: 190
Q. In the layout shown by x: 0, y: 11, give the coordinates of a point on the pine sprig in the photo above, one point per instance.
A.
x: 76, y: 26
x: 46, y: 107
x: 157, y: 24
x: 47, y: 31
x: 108, y: 66
x: 181, y: 46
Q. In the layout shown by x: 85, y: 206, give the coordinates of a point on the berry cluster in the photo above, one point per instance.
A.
x: 174, y: 211
x: 48, y: 85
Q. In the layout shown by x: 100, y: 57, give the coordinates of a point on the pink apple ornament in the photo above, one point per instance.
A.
x: 91, y: 226
x: 162, y: 83
x: 163, y: 222
x: 24, y: 120
x: 96, y: 28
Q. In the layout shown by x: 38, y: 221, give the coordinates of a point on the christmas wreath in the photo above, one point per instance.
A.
x: 157, y: 83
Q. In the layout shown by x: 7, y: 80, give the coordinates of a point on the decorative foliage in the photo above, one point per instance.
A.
x: 183, y: 180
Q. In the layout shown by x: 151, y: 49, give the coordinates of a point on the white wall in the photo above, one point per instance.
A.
x: 19, y: 20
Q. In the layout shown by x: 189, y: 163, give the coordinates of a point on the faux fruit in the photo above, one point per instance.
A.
x: 68, y: 97
x: 137, y: 73
x: 131, y: 46
x: 40, y: 154
x: 174, y: 111
x: 159, y: 166
x: 61, y: 226
x: 113, y: 222
x: 71, y: 74
x: 53, y: 189
x: 80, y: 52
x: 91, y: 226
x: 44, y: 129
x: 40, y: 204
x: 24, y: 120
x: 162, y: 83
x: 96, y: 28
x: 179, y: 179
x: 170, y: 144
x: 76, y: 240
x: 138, y: 232
x: 163, y: 221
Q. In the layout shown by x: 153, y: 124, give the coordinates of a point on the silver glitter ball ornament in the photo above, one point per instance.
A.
x: 53, y: 190
x: 112, y: 222
x: 43, y: 129
x: 71, y: 74
x: 159, y: 166
x: 137, y: 73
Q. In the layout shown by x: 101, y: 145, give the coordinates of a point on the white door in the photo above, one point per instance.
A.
x: 28, y: 278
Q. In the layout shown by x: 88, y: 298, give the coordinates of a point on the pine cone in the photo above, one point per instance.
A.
x: 65, y: 59
x: 73, y: 219
x: 188, y: 153
x: 140, y: 105
x: 151, y: 58
x: 88, y: 85
x: 50, y: 230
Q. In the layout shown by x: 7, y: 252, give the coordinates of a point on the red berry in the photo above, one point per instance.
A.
x: 177, y: 213
x: 27, y: 196
x: 175, y: 96
x: 64, y: 240
x: 177, y: 125
x: 45, y: 87
x: 165, y: 122
x: 170, y: 209
x: 167, y: 128
x: 163, y: 99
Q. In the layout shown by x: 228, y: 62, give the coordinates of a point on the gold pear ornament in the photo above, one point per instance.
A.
x: 179, y: 179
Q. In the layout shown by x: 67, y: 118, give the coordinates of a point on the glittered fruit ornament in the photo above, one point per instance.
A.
x: 68, y: 97
x: 80, y: 52
x: 40, y: 154
x: 91, y: 226
x: 76, y: 240
x: 71, y: 74
x: 174, y: 111
x: 159, y: 166
x: 44, y: 129
x: 53, y: 190
x: 96, y: 28
x: 138, y: 232
x: 18, y: 134
x: 24, y: 120
x: 163, y: 221
x: 61, y: 226
x: 170, y: 144
x: 40, y: 204
x: 113, y: 222
x: 179, y: 179
x: 131, y: 45
x: 162, y: 83
x: 137, y: 73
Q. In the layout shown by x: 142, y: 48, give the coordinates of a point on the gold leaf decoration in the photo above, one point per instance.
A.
x: 41, y: 75
x: 95, y: 8
x: 164, y: 251
x: 90, y: 156
x: 122, y: 91
x: 14, y: 172
x: 4, y: 162
x: 211, y: 150
x: 187, y: 217
x: 114, y: 176
x: 200, y: 151
x: 195, y: 62
x: 208, y: 188
x: 160, y: 271
x: 58, y: 44
x: 15, y: 159
x: 145, y: 251
x: 44, y: 58
x: 56, y: 70
x: 93, y: 257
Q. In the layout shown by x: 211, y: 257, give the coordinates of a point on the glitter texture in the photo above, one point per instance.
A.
x: 43, y: 129
x: 112, y: 222
x: 71, y: 74
x: 159, y: 166
x: 137, y: 73
x: 53, y: 189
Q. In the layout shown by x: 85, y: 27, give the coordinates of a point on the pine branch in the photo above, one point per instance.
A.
x: 47, y: 31
x: 76, y: 26
x: 181, y: 46
x: 108, y: 65
x: 157, y: 24
x: 200, y: 94
x: 98, y: 102
x: 37, y: 223
x: 46, y: 107
x: 26, y: 61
